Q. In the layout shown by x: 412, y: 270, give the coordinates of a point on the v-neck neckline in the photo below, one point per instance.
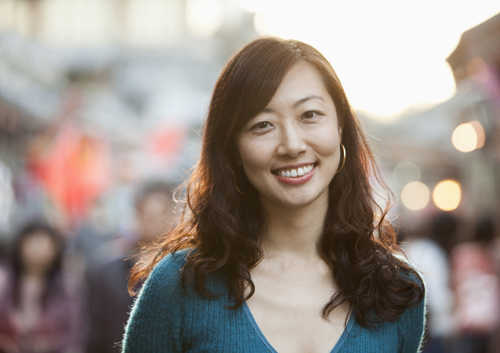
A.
x: 263, y: 338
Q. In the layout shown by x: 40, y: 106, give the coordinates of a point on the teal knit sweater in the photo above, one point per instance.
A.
x: 166, y: 319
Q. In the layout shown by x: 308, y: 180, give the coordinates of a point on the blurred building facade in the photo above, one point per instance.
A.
x: 143, y: 23
x: 456, y: 141
x: 130, y: 81
x: 110, y: 92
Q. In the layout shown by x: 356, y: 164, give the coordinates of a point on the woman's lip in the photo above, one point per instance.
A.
x: 297, y: 180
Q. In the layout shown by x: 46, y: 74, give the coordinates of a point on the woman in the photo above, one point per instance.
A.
x: 279, y: 248
x: 41, y: 310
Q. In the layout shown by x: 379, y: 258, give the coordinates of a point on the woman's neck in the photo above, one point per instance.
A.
x: 32, y: 277
x: 34, y: 272
x: 294, y: 232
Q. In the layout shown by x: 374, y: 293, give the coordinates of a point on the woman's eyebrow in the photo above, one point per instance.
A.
x: 296, y: 104
x: 305, y: 99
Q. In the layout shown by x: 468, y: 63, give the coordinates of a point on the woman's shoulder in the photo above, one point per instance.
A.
x: 408, y: 270
x: 167, y: 273
x: 411, y: 325
x: 157, y: 315
x: 172, y: 263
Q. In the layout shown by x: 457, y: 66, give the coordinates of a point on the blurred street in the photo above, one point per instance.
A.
x: 102, y: 105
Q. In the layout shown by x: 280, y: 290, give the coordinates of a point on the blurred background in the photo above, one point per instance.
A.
x: 102, y: 102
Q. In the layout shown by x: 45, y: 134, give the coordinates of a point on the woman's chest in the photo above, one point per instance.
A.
x: 210, y: 326
x: 288, y: 311
x: 283, y: 315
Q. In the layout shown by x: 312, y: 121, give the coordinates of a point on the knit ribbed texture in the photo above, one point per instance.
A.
x: 165, y: 319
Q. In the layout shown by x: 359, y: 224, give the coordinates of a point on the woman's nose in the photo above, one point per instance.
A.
x: 292, y: 143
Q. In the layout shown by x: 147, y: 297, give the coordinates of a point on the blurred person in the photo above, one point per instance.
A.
x: 95, y: 231
x: 6, y: 199
x: 42, y: 309
x: 110, y: 300
x: 3, y: 264
x: 495, y: 248
x: 280, y: 247
x: 477, y: 290
x: 425, y: 250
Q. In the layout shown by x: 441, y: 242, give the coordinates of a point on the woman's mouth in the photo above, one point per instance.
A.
x: 294, y: 172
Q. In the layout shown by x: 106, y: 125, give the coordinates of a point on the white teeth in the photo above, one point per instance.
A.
x: 293, y: 173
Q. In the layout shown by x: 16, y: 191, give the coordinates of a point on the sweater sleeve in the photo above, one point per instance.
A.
x: 412, y: 327
x: 155, y: 321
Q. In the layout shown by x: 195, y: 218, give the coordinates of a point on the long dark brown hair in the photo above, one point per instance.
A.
x: 225, y: 227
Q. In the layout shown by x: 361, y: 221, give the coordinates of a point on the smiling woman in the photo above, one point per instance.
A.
x: 290, y: 151
x: 280, y: 247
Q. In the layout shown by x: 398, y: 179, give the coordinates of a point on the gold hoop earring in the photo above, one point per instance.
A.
x: 236, y: 185
x: 241, y: 192
x: 343, y: 160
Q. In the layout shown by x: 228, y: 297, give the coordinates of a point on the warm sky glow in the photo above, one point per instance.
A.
x: 204, y: 17
x: 389, y: 54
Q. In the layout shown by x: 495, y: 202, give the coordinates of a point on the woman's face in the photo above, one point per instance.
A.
x: 38, y: 252
x: 290, y: 151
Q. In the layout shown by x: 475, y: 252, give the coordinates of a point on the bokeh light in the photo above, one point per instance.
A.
x: 447, y: 195
x: 464, y: 138
x: 479, y: 133
x: 415, y: 195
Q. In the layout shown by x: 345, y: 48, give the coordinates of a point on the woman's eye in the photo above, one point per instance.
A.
x: 310, y: 114
x: 262, y: 125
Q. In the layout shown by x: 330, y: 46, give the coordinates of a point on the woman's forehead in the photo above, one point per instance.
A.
x: 301, y: 83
